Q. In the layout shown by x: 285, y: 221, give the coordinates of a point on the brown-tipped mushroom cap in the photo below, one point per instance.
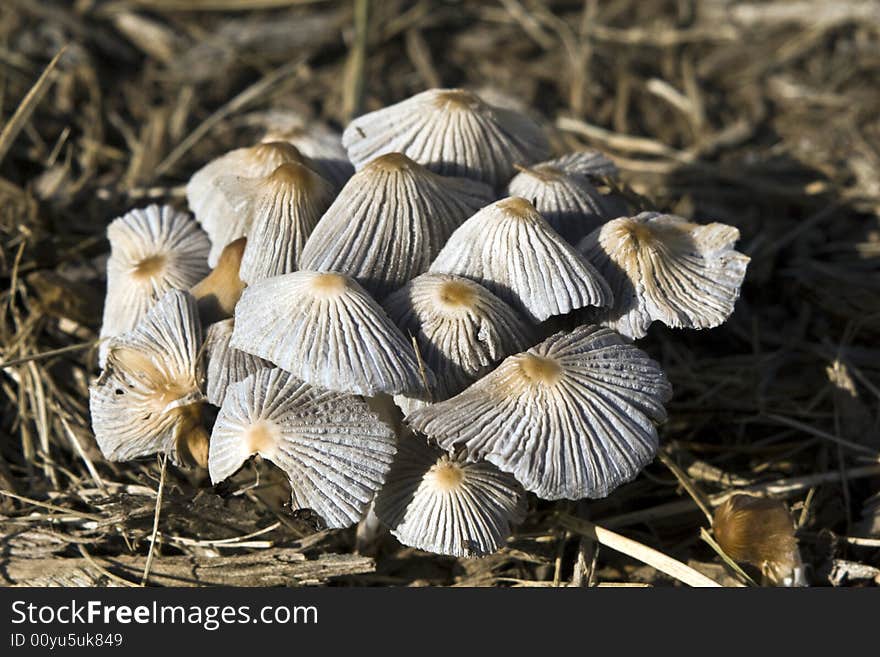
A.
x: 334, y: 450
x: 759, y: 531
x: 450, y: 131
x: 152, y: 250
x: 572, y: 417
x: 663, y: 268
x: 389, y: 222
x: 442, y: 504
x: 219, y: 291
x: 220, y: 215
x: 461, y: 328
x: 564, y: 194
x: 226, y: 365
x: 281, y: 211
x: 148, y: 398
x: 325, y: 329
x: 313, y: 139
x: 509, y: 248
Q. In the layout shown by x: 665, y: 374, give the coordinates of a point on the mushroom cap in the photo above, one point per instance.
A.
x: 325, y: 329
x: 562, y: 191
x: 321, y: 144
x: 333, y: 449
x: 148, y: 397
x: 226, y: 365
x: 663, y: 268
x: 509, y: 248
x: 281, y: 211
x: 452, y: 132
x: 461, y: 328
x: 390, y: 221
x: 218, y: 292
x: 570, y: 418
x: 152, y: 250
x: 436, y: 502
x: 220, y: 215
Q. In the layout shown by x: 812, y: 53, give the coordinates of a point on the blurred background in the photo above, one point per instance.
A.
x: 763, y: 115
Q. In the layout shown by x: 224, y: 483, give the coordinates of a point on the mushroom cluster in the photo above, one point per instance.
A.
x: 369, y: 312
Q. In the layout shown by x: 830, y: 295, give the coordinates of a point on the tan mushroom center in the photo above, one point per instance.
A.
x: 149, y: 267
x: 546, y: 174
x: 446, y: 475
x: 455, y: 295
x: 641, y: 234
x: 535, y: 369
x: 458, y: 99
x: 517, y: 207
x: 329, y: 285
x: 279, y: 151
x: 392, y: 163
x: 291, y: 174
x: 261, y: 437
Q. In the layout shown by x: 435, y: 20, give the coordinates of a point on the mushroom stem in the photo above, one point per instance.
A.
x: 218, y: 292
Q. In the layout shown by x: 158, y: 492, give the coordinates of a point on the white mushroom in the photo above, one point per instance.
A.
x: 510, y: 249
x: 148, y: 399
x: 325, y: 329
x: 442, y: 504
x: 280, y: 211
x: 461, y: 328
x: 562, y: 191
x: 570, y: 418
x: 220, y: 215
x: 450, y: 131
x: 226, y: 365
x: 333, y: 449
x: 152, y: 250
x: 390, y: 221
x: 663, y: 268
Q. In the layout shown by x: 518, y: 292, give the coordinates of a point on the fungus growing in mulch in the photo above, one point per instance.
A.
x: 303, y: 361
x: 390, y: 221
x: 452, y: 132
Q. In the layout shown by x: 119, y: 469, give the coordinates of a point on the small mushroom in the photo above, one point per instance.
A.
x: 563, y: 192
x: 760, y: 531
x: 570, y: 418
x: 452, y: 132
x: 152, y: 250
x: 148, y: 398
x: 333, y: 449
x: 219, y: 215
x: 219, y: 291
x: 390, y: 221
x: 440, y: 503
x: 313, y: 139
x: 663, y: 268
x: 226, y: 365
x: 325, y: 329
x: 279, y: 211
x: 461, y: 328
x: 509, y: 248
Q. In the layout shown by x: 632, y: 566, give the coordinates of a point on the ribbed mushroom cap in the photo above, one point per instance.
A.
x: 325, y: 329
x: 461, y: 328
x: 322, y: 145
x: 148, y: 397
x: 218, y: 292
x: 450, y: 131
x: 564, y: 194
x: 509, y: 248
x: 219, y: 214
x: 436, y: 502
x: 152, y: 250
x: 280, y: 210
x: 390, y: 221
x: 226, y: 365
x: 570, y: 418
x: 663, y: 268
x: 334, y: 450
